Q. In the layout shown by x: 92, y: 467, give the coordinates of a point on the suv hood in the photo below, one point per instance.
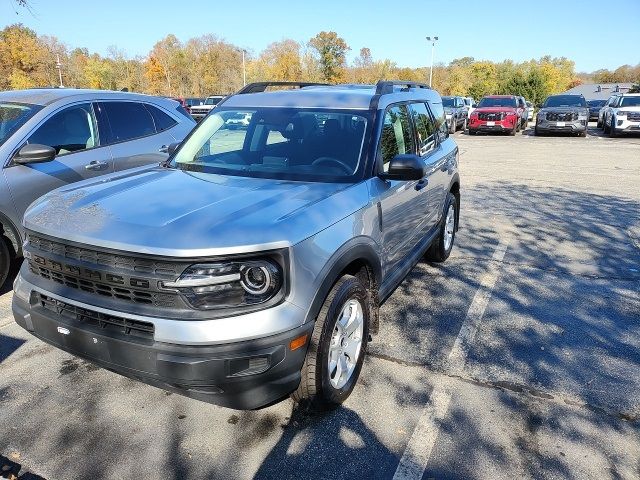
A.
x: 495, y: 109
x: 186, y: 214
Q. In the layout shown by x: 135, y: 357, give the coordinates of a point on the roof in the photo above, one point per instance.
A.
x: 351, y: 97
x: 598, y: 91
x: 46, y: 96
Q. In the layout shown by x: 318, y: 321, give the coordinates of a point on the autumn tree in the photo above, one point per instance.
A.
x: 280, y: 61
x: 332, y: 54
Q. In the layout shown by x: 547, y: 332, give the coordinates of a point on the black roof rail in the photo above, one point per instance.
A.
x: 386, y: 86
x: 258, y: 87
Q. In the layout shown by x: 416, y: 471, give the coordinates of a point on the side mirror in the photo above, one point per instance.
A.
x: 34, y: 153
x: 405, y: 167
x: 169, y: 148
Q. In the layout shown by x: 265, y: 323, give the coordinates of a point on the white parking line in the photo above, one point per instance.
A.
x: 418, y: 450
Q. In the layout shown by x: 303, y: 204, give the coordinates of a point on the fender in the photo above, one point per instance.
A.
x: 360, y: 248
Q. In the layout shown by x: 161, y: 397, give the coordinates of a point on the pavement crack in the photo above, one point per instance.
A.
x: 514, y: 387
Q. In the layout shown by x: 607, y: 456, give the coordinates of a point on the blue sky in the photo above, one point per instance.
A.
x: 489, y: 29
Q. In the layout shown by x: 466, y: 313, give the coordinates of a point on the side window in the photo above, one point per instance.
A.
x: 425, y: 127
x: 161, y: 119
x: 441, y: 120
x: 128, y: 120
x: 397, y: 135
x: 70, y: 130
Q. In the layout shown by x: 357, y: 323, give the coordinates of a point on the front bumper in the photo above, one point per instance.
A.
x: 625, y: 125
x: 242, y: 375
x: 504, y: 125
x: 574, y: 126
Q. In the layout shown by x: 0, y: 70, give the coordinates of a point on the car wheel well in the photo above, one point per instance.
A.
x: 363, y: 270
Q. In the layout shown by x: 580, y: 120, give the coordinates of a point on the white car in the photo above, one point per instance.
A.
x: 529, y: 111
x: 471, y: 105
x: 198, y: 112
x: 239, y: 120
x: 622, y: 114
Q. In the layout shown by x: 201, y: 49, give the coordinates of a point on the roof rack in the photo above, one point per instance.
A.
x: 258, y: 87
x: 386, y: 86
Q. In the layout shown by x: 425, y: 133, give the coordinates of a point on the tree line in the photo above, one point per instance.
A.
x: 208, y: 65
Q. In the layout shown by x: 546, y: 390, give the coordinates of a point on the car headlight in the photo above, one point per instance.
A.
x: 229, y: 284
x: 621, y: 113
x: 541, y: 115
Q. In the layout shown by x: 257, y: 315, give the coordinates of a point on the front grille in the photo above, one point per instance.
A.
x: 121, y: 262
x: 491, y: 116
x: 633, y: 116
x: 562, y: 117
x: 167, y: 300
x: 109, y: 323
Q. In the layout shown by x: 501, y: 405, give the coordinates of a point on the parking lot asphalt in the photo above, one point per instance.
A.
x: 517, y: 358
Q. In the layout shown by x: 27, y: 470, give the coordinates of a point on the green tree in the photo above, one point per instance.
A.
x: 332, y: 52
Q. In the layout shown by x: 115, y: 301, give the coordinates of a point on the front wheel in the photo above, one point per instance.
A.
x: 337, y: 347
x: 612, y: 128
x: 443, y: 244
x: 5, y: 260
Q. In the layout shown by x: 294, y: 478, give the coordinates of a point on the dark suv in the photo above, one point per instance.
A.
x: 258, y: 268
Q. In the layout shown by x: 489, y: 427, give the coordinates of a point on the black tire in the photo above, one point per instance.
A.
x: 583, y: 134
x: 438, y: 252
x: 5, y: 260
x: 612, y: 128
x: 452, y: 125
x: 536, y: 131
x: 598, y: 123
x: 472, y: 132
x: 464, y: 124
x: 605, y: 127
x: 315, y: 384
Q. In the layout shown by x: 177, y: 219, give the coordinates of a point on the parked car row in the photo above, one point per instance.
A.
x: 620, y: 114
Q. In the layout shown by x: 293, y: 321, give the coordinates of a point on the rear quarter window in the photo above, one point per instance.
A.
x: 162, y: 120
x: 441, y: 120
x: 128, y: 120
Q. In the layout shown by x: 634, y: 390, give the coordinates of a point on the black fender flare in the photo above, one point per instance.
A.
x: 359, y: 249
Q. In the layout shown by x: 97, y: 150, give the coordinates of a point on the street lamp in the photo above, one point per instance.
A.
x: 433, y: 41
x: 59, y: 67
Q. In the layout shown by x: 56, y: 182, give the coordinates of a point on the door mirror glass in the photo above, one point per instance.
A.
x: 34, y: 153
x: 172, y: 147
x: 405, y: 167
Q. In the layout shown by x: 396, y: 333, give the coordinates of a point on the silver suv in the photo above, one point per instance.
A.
x: 252, y: 264
x: 52, y: 137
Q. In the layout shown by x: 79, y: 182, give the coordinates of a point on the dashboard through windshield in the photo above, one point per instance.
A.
x: 279, y: 143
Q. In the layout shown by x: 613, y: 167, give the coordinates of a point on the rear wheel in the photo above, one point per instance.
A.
x: 5, y: 259
x: 337, y: 347
x: 443, y: 244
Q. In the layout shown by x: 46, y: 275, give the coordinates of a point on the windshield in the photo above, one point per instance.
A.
x: 447, y: 102
x: 498, y: 102
x: 212, y: 100
x: 565, y: 101
x: 278, y: 143
x: 630, y: 102
x: 596, y: 103
x: 13, y: 116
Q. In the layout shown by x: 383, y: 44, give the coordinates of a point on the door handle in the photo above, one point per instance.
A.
x: 423, y: 182
x: 164, y: 149
x: 96, y: 165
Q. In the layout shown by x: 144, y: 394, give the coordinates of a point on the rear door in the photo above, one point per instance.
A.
x: 133, y: 138
x: 73, y: 132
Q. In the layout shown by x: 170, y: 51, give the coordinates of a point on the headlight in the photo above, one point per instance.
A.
x: 621, y: 113
x: 229, y: 284
x: 541, y: 115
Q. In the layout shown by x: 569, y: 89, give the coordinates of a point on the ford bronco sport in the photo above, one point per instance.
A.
x: 251, y: 265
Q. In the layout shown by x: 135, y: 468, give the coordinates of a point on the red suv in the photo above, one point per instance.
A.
x: 496, y: 113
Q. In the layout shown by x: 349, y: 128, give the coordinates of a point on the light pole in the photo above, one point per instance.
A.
x: 59, y: 67
x: 433, y: 41
x: 244, y: 69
